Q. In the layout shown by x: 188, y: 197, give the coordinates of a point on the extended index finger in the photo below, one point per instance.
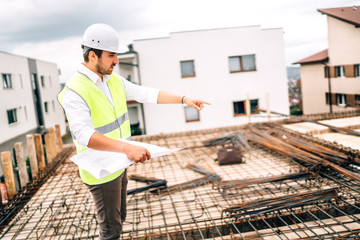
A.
x: 148, y: 155
x: 199, y: 101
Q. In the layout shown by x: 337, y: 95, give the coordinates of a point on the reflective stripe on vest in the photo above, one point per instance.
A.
x: 114, y: 125
x: 107, y: 119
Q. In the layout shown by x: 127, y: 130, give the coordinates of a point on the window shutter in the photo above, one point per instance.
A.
x: 350, y: 100
x: 349, y: 71
x: 346, y: 99
x: 327, y: 98
x: 333, y: 99
x: 332, y: 71
x: 326, y: 71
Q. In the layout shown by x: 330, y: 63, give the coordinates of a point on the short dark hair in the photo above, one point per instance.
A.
x: 86, y: 54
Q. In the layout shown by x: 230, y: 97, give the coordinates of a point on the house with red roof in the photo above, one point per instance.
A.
x: 330, y: 79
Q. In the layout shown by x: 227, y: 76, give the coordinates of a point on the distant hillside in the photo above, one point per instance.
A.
x: 293, y: 72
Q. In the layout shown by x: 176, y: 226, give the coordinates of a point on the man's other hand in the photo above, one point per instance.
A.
x: 137, y: 154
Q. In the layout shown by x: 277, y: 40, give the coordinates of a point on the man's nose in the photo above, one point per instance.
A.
x: 116, y: 60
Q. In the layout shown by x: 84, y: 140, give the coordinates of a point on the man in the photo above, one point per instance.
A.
x: 94, y: 100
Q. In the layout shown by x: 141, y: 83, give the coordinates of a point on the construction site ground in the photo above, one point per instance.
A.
x: 238, y: 201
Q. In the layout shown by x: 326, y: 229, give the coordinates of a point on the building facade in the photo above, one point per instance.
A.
x: 221, y: 66
x: 330, y: 79
x: 28, y: 96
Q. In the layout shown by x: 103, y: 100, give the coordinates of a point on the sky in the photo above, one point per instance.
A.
x: 51, y: 30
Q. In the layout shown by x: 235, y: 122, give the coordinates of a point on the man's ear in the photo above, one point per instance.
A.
x: 92, y: 56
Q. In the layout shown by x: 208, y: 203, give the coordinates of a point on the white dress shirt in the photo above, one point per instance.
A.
x: 78, y: 112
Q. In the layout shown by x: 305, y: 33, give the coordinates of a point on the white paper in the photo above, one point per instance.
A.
x: 102, y: 163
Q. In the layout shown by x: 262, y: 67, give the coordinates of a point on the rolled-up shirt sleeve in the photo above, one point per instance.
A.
x: 78, y: 114
x: 139, y: 93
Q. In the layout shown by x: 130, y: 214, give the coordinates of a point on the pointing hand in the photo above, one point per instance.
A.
x: 195, y: 103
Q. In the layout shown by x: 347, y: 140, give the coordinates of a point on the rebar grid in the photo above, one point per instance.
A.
x: 63, y: 208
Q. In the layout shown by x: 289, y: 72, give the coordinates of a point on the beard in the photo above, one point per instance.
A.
x: 102, y: 69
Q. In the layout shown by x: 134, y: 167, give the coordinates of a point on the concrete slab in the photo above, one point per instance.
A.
x: 307, y: 127
x: 352, y: 122
x: 325, y: 133
x: 343, y: 139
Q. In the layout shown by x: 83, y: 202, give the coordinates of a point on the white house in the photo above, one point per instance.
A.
x: 28, y: 96
x: 220, y: 66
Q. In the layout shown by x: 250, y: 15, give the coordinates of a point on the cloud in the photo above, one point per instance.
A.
x: 51, y: 29
x: 66, y: 53
x: 24, y: 21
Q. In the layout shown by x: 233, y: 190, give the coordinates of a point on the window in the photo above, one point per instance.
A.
x: 339, y: 71
x: 242, y: 63
x: 33, y: 81
x: 187, y: 68
x: 240, y: 107
x: 42, y: 79
x: 12, y: 118
x: 254, y: 106
x: 6, y: 78
x: 46, y: 107
x: 25, y: 112
x: 50, y: 81
x: 21, y: 82
x: 357, y: 99
x: 53, y: 105
x: 341, y: 99
x: 191, y: 114
x: 357, y: 70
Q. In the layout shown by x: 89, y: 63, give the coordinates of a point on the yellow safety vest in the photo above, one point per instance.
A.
x: 107, y: 119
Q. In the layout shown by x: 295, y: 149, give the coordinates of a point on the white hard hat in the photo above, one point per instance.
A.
x: 101, y: 36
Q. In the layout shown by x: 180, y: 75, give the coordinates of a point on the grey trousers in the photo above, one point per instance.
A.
x: 110, y: 203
